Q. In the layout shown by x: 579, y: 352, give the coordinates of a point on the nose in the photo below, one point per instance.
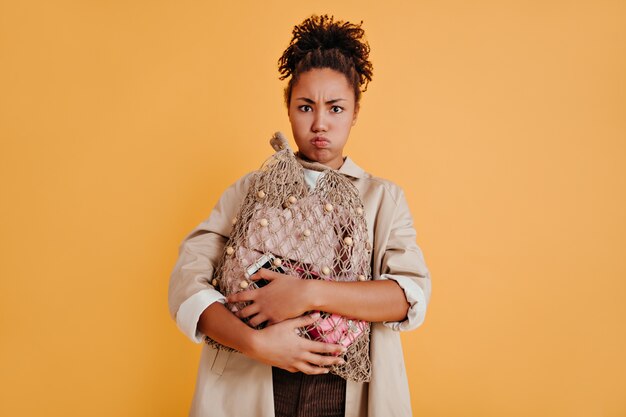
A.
x: 320, y: 123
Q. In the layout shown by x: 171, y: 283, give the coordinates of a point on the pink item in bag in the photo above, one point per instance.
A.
x: 333, y: 328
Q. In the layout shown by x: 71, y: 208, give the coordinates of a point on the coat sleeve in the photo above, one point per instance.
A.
x: 403, y: 262
x: 190, y: 290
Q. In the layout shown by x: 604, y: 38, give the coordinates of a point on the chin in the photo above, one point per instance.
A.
x: 320, y: 156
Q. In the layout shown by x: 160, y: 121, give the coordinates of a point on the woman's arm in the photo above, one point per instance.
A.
x: 373, y: 301
x: 287, y: 296
x: 277, y: 345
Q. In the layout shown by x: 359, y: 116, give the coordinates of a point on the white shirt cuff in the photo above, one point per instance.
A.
x: 417, y: 304
x: 190, y: 310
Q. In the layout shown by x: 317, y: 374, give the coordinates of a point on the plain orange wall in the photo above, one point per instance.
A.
x: 122, y: 121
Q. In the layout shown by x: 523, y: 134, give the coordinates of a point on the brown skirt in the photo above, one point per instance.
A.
x: 301, y: 395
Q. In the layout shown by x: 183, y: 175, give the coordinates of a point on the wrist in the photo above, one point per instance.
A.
x: 313, y: 290
x: 250, y: 342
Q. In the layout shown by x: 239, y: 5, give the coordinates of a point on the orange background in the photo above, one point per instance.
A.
x: 505, y: 122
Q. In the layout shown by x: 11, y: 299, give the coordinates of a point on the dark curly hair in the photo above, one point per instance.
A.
x: 322, y: 42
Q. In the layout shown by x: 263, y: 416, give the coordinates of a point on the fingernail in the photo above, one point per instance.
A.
x: 315, y: 315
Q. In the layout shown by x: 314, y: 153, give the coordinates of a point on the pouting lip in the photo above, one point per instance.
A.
x: 318, y: 139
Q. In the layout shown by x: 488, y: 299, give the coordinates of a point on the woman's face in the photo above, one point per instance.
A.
x: 322, y: 111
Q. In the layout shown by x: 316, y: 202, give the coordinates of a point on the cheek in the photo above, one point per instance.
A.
x: 298, y: 121
x: 293, y: 121
x: 347, y: 122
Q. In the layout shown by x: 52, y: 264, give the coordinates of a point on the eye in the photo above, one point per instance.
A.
x: 305, y: 108
x: 336, y: 109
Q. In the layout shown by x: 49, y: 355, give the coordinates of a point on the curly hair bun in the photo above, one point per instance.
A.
x: 320, y: 42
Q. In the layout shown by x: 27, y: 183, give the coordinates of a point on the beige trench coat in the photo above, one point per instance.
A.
x: 233, y: 385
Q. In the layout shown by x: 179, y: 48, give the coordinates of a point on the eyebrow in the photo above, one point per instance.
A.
x: 308, y: 100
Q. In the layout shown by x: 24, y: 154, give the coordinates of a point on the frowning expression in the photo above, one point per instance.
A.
x: 322, y: 111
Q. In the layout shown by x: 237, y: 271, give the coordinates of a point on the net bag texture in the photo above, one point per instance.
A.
x: 312, y: 234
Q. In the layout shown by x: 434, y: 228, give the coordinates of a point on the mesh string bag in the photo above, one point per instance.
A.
x: 312, y: 234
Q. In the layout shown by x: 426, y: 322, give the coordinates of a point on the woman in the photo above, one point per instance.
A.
x: 273, y: 370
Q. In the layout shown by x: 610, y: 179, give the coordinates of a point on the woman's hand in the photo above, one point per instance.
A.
x: 277, y: 345
x: 280, y: 346
x: 285, y: 297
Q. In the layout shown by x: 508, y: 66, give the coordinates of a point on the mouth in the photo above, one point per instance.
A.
x: 320, y: 142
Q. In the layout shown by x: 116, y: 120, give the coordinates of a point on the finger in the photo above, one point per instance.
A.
x: 247, y: 311
x: 258, y: 319
x: 310, y: 369
x: 268, y: 274
x: 306, y: 320
x: 321, y: 347
x: 323, y: 360
x: 241, y: 296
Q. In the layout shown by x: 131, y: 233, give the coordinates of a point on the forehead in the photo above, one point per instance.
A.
x: 322, y: 82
